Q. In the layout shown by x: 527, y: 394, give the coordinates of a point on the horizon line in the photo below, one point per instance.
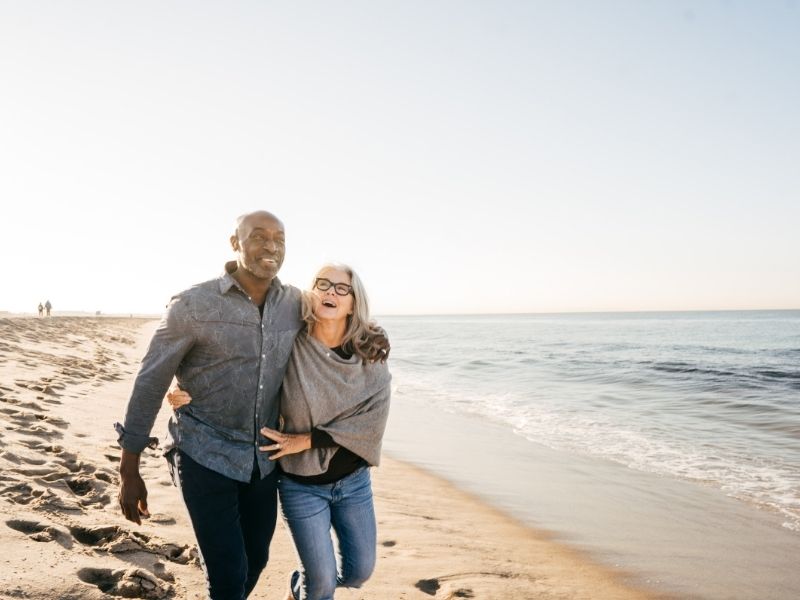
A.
x: 129, y: 314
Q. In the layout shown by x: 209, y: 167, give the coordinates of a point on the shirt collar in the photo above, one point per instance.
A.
x: 227, y: 281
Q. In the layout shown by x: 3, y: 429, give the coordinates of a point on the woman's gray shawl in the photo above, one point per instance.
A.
x: 345, y: 398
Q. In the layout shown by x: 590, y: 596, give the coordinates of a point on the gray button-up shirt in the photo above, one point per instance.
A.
x: 231, y: 360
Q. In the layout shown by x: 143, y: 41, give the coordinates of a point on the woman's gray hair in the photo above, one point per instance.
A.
x: 360, y: 332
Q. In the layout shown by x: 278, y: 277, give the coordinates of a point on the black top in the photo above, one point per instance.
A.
x: 343, y: 461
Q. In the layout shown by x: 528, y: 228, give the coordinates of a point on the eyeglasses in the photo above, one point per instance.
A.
x: 341, y: 289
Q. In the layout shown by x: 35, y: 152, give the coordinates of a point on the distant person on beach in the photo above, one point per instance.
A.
x: 47, y: 307
x: 41, y: 309
x: 227, y: 341
x: 334, y: 406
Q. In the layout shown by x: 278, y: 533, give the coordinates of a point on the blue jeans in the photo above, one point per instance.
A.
x: 310, y: 512
x: 233, y: 523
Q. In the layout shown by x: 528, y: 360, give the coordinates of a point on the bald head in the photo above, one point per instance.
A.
x: 247, y: 218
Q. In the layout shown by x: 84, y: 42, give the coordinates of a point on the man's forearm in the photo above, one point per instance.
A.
x: 129, y: 463
x: 170, y: 344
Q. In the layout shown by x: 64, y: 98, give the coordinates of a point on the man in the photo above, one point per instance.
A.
x: 228, y: 342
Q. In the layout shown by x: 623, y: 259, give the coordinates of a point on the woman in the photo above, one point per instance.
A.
x: 334, y: 405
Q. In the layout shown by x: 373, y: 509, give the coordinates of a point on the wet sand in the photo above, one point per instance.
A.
x: 677, y: 538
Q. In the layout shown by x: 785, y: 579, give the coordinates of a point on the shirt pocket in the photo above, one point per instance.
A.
x: 223, y: 339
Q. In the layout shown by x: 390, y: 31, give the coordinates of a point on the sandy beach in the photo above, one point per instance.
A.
x: 63, y: 383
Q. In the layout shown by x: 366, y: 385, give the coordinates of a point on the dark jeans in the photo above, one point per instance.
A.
x: 233, y: 523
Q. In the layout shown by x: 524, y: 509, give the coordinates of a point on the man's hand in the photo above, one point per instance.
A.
x: 285, y: 443
x: 378, y: 345
x: 132, y: 490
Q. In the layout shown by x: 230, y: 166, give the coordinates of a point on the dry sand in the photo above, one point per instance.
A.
x: 63, y: 383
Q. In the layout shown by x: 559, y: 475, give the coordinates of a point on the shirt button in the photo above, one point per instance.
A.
x: 261, y: 387
x: 263, y: 356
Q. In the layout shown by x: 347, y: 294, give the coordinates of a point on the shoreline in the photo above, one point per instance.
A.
x: 65, y: 380
x: 670, y: 537
x: 456, y: 527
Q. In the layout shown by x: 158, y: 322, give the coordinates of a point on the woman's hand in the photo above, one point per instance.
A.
x: 177, y: 398
x: 285, y: 443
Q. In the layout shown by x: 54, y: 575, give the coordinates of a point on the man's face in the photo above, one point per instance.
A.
x: 260, y: 244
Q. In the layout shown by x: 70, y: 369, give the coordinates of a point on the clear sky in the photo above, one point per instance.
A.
x: 463, y: 156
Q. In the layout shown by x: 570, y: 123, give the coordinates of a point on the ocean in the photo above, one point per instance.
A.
x: 705, y: 400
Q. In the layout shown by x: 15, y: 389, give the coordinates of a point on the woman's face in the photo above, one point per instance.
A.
x: 333, y: 306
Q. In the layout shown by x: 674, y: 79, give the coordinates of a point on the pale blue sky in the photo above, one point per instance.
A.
x: 463, y: 156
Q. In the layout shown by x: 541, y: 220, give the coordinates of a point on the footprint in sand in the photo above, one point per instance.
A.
x: 40, y: 532
x: 69, y: 474
x: 96, y: 536
x: 460, y: 593
x: 89, y: 488
x: 107, y: 477
x: 21, y: 493
x: 116, y: 540
x: 428, y: 586
x: 89, y: 491
x: 130, y: 583
x: 52, y: 502
x: 449, y: 587
x: 10, y: 457
x: 22, y: 425
x: 31, y: 405
x: 43, y: 472
x: 432, y: 588
x: 73, y: 465
x: 39, y: 494
x: 18, y: 459
x: 35, y: 386
x: 49, y: 448
x: 162, y: 519
x: 32, y: 417
x: 52, y: 420
x: 160, y: 571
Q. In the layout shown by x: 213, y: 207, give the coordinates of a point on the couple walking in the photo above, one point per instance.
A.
x: 249, y: 353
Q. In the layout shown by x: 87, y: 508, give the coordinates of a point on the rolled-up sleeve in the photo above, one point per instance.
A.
x: 171, y: 342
